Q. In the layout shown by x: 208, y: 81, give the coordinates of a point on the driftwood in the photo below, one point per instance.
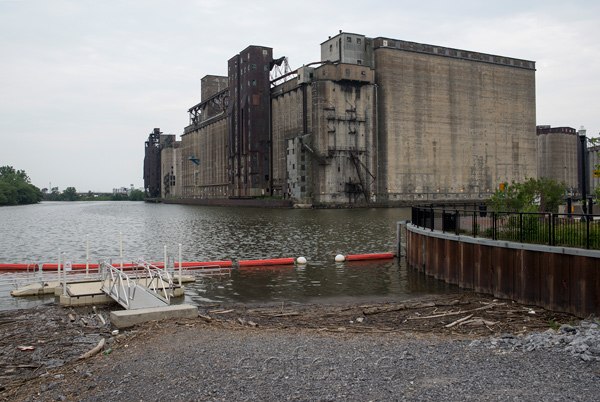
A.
x: 370, y: 310
x: 285, y: 315
x: 458, y: 321
x: 221, y: 311
x: 205, y: 317
x: 456, y: 312
x: 389, y: 309
x: 92, y: 352
x: 478, y: 321
x: 99, y: 316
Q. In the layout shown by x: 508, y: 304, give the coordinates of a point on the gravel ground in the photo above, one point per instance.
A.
x: 221, y: 356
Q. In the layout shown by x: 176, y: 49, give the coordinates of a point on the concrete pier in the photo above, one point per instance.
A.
x: 128, y: 318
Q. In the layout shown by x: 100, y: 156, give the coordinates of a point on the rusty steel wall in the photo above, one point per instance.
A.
x: 152, y: 186
x: 561, y: 282
x: 249, y: 135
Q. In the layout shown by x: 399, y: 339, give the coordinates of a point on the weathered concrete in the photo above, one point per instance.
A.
x: 129, y: 318
x: 452, y: 127
x: 557, y: 154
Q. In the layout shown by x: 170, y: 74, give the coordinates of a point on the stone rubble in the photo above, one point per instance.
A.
x: 582, y: 341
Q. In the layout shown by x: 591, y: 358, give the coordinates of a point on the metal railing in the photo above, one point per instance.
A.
x: 144, y: 278
x: 156, y: 279
x: 568, y: 230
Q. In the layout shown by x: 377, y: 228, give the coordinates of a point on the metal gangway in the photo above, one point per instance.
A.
x: 146, y: 286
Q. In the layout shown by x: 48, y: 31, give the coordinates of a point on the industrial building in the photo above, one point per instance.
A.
x: 558, y: 155
x: 376, y: 121
x: 162, y: 165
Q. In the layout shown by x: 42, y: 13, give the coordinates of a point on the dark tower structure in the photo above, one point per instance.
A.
x: 152, y: 165
x: 249, y: 136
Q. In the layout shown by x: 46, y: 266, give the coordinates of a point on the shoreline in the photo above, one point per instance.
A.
x: 60, y: 335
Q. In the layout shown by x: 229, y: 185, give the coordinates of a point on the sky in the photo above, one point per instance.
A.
x: 83, y: 82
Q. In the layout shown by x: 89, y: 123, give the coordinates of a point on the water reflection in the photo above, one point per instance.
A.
x: 34, y: 233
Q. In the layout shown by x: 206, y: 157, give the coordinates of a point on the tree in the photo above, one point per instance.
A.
x: 6, y: 171
x: 136, y: 195
x: 532, y: 195
x: 70, y: 194
x: 16, y: 189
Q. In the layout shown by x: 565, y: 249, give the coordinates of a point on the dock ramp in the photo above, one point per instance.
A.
x: 146, y: 286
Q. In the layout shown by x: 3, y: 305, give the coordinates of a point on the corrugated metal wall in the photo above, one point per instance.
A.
x: 555, y: 281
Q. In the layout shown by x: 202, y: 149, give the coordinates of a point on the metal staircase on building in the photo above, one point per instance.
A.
x: 146, y: 286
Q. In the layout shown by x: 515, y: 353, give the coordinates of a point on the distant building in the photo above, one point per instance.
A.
x: 170, y: 159
x: 558, y: 155
x: 152, y: 165
x: 162, y: 164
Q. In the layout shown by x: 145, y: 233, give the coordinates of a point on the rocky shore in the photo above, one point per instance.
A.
x: 465, y: 347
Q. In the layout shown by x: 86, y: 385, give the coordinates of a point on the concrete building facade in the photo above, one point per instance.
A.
x: 376, y: 120
x: 452, y: 124
x: 558, y: 155
x: 170, y: 159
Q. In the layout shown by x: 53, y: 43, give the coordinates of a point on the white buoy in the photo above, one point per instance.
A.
x: 340, y: 258
x: 301, y: 260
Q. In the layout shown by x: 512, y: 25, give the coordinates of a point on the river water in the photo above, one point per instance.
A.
x: 35, y: 233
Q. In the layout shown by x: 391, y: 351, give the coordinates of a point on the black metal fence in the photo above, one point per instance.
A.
x: 568, y: 230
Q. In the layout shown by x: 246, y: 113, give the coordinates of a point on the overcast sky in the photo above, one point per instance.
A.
x: 83, y: 82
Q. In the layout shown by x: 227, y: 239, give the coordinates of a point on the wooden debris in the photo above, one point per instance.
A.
x: 478, y: 321
x: 458, y: 321
x: 221, y: 311
x: 71, y: 318
x: 285, y: 315
x: 99, y: 316
x: 386, y: 309
x: 205, y: 317
x: 94, y: 351
x: 457, y: 312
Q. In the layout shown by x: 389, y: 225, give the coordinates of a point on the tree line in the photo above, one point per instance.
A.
x: 16, y: 188
x: 71, y: 194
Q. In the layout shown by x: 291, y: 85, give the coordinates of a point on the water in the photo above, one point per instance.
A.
x: 34, y: 233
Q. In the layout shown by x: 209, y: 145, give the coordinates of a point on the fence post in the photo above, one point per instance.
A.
x: 521, y: 227
x: 493, y: 225
x: 456, y: 222
x: 431, y: 217
x: 551, y: 234
x: 443, y: 219
x: 474, y: 228
x: 587, y: 232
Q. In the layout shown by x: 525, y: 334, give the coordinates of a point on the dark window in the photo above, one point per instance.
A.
x: 349, y: 39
